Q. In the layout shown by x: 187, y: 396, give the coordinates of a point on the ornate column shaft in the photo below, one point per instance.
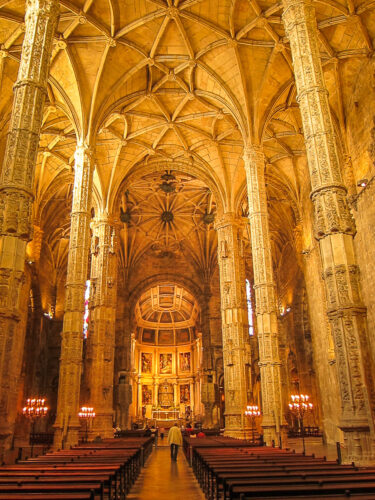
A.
x: 334, y: 229
x: 234, y: 321
x: 67, y: 423
x: 16, y: 182
x: 101, y: 341
x: 123, y: 354
x: 208, y: 385
x: 265, y: 300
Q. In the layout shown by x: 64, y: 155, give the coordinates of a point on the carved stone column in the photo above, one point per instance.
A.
x: 67, y: 423
x: 140, y: 402
x: 234, y: 321
x: 334, y: 229
x: 16, y: 182
x: 101, y: 341
x: 124, y: 353
x: 265, y: 300
x: 34, y: 246
x: 208, y: 385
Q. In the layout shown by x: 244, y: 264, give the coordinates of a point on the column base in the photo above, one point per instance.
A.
x: 359, y: 445
x: 235, y: 427
x: 5, y: 443
x: 207, y: 419
x: 66, y: 441
x: 102, y: 426
x: 242, y: 433
x: 273, y: 436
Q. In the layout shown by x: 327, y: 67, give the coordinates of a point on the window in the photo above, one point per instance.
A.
x: 249, y: 308
x: 86, y: 315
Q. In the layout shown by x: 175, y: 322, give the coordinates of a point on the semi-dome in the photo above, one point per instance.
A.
x: 166, y: 314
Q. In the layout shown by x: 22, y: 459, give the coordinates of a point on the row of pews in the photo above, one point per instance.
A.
x: 243, y: 472
x: 93, y: 471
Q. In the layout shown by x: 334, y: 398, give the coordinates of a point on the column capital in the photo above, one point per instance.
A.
x: 105, y: 218
x: 287, y: 4
x: 228, y: 219
x: 42, y: 6
x: 253, y: 153
x: 83, y: 150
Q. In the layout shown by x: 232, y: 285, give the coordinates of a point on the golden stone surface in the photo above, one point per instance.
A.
x: 189, y: 144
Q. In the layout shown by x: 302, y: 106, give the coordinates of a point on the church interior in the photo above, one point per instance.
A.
x: 187, y: 219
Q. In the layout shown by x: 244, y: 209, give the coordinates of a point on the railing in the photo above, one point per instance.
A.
x: 43, y: 438
x: 308, y: 431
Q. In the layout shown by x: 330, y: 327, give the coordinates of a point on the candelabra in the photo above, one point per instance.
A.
x: 34, y: 409
x: 87, y: 414
x: 252, y: 412
x: 299, y: 406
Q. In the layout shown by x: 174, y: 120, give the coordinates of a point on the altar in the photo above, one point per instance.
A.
x: 165, y: 414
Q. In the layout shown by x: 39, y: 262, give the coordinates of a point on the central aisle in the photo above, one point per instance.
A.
x: 162, y: 479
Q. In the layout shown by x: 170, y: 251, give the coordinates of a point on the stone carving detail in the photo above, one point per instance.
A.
x: 334, y: 228
x: 101, y: 340
x: 17, y: 177
x: 235, y: 337
x: 264, y: 286
x: 67, y: 424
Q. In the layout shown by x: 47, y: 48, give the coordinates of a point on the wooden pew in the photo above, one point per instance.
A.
x: 92, y: 472
x: 241, y: 473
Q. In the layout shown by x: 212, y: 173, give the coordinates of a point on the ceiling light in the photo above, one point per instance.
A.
x: 362, y: 183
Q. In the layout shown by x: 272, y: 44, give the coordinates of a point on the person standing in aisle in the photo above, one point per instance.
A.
x: 174, y: 440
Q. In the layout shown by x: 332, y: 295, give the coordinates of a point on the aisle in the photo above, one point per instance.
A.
x: 162, y: 479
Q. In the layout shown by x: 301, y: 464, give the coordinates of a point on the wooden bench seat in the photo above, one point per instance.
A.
x: 91, y: 472
x: 47, y: 496
x: 324, y: 490
x: 89, y: 488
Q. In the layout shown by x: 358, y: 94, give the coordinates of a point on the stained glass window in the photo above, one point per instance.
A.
x: 249, y: 308
x: 86, y: 315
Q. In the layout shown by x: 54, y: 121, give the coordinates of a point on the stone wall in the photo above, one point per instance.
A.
x: 365, y: 250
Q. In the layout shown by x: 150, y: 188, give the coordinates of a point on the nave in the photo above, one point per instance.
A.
x: 163, y: 479
x: 186, y: 220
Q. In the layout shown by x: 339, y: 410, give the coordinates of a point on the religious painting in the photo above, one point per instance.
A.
x: 185, y: 361
x: 165, y: 364
x: 146, y: 362
x: 146, y: 395
x: 185, y: 394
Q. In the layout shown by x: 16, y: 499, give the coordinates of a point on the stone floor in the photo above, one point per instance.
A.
x: 162, y: 479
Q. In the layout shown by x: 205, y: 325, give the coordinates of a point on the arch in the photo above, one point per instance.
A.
x: 164, y: 278
x: 159, y: 165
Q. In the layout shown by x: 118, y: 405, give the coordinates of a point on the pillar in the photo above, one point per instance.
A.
x: 234, y: 325
x: 208, y: 391
x: 140, y: 404
x: 156, y: 392
x: 176, y: 396
x: 101, y: 341
x: 16, y: 192
x: 334, y: 229
x: 125, y: 346
x: 67, y: 423
x: 265, y: 300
